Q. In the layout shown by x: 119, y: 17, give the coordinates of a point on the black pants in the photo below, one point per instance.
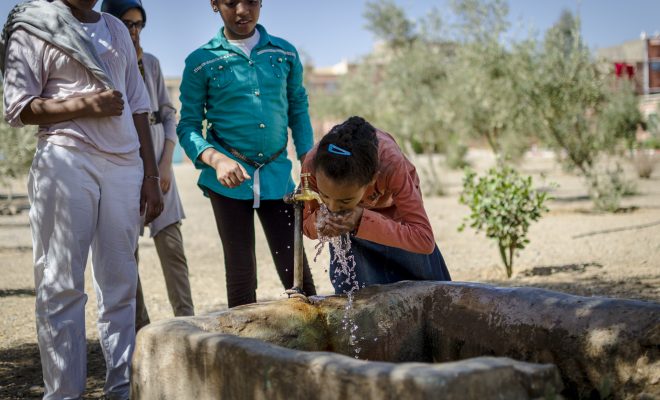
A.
x: 235, y: 222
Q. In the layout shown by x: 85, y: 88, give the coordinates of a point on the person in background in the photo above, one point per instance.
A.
x: 166, y: 229
x: 73, y: 72
x: 248, y: 87
x: 371, y: 192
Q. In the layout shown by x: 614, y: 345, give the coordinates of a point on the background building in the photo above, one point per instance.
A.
x: 638, y: 60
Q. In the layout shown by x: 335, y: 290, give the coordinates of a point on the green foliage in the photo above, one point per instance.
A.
x: 491, y: 98
x: 605, y: 387
x: 389, y: 22
x: 503, y: 204
x: 456, y: 156
x: 480, y: 20
x: 653, y: 122
x: 569, y: 93
x: 621, y: 116
x: 566, y: 33
x: 490, y: 79
x: 608, y: 188
x: 652, y: 143
x: 16, y: 151
x: 487, y: 77
x: 586, y: 114
x: 400, y: 87
x: 439, y: 86
x: 653, y: 127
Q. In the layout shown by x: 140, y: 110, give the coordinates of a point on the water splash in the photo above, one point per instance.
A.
x: 344, y: 275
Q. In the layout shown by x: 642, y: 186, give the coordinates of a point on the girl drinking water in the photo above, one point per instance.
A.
x: 371, y: 192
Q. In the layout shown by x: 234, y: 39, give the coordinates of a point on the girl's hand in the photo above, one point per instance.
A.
x: 165, y: 170
x: 229, y: 172
x: 339, y: 223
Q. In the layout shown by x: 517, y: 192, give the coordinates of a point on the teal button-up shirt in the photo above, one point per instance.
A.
x: 249, y: 102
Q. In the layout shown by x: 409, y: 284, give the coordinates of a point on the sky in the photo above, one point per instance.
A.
x: 329, y: 31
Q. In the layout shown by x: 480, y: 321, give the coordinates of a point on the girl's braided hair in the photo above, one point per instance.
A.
x: 358, y: 139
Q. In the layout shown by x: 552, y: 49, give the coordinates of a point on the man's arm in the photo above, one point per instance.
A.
x: 151, y: 198
x: 299, y: 121
x: 42, y: 111
x: 165, y: 166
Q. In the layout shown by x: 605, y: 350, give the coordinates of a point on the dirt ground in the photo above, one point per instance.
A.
x: 572, y: 250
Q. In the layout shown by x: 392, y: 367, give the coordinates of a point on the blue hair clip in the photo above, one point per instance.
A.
x: 338, y: 150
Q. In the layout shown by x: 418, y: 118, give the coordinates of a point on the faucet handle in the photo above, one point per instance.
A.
x: 302, y: 193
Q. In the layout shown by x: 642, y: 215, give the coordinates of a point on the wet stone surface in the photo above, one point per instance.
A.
x: 469, y: 341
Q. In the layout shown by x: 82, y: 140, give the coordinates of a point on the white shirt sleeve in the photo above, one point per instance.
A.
x: 24, y: 74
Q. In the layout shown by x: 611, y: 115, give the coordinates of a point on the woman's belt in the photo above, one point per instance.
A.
x: 256, y: 187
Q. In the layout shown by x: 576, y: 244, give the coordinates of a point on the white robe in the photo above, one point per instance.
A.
x: 160, y: 100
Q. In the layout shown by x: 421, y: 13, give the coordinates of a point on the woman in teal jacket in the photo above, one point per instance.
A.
x: 247, y: 86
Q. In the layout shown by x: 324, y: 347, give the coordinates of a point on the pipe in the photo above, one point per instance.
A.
x: 298, y: 246
x: 297, y: 198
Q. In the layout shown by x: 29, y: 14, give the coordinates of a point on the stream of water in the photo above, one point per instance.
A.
x: 344, y: 274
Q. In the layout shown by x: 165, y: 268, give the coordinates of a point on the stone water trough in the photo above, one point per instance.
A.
x: 416, y: 340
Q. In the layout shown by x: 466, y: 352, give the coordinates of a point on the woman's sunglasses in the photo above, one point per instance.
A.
x: 132, y: 24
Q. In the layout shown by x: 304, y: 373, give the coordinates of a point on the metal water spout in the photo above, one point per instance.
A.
x: 298, y: 198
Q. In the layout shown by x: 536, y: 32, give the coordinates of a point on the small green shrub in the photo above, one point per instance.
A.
x: 609, y: 187
x: 456, y: 155
x: 652, y: 143
x: 503, y: 204
x: 644, y: 162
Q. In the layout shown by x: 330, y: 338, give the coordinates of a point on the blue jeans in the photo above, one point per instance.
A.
x: 379, y: 264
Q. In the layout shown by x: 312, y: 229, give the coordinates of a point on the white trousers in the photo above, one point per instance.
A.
x: 81, y: 201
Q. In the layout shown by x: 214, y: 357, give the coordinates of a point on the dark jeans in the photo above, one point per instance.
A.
x: 235, y: 222
x: 379, y: 264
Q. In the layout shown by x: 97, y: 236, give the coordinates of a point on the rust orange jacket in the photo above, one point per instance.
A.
x: 394, y: 212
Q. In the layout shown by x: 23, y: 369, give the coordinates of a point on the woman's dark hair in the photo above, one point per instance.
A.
x: 119, y: 7
x: 349, y: 152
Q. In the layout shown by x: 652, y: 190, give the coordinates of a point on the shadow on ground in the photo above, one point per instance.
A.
x: 553, y: 269
x: 17, y: 293
x: 20, y: 372
x: 585, y: 279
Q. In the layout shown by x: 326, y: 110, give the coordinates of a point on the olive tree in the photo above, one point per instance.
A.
x: 586, y: 115
x: 433, y: 85
x: 439, y: 86
x: 492, y: 100
x: 400, y: 87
